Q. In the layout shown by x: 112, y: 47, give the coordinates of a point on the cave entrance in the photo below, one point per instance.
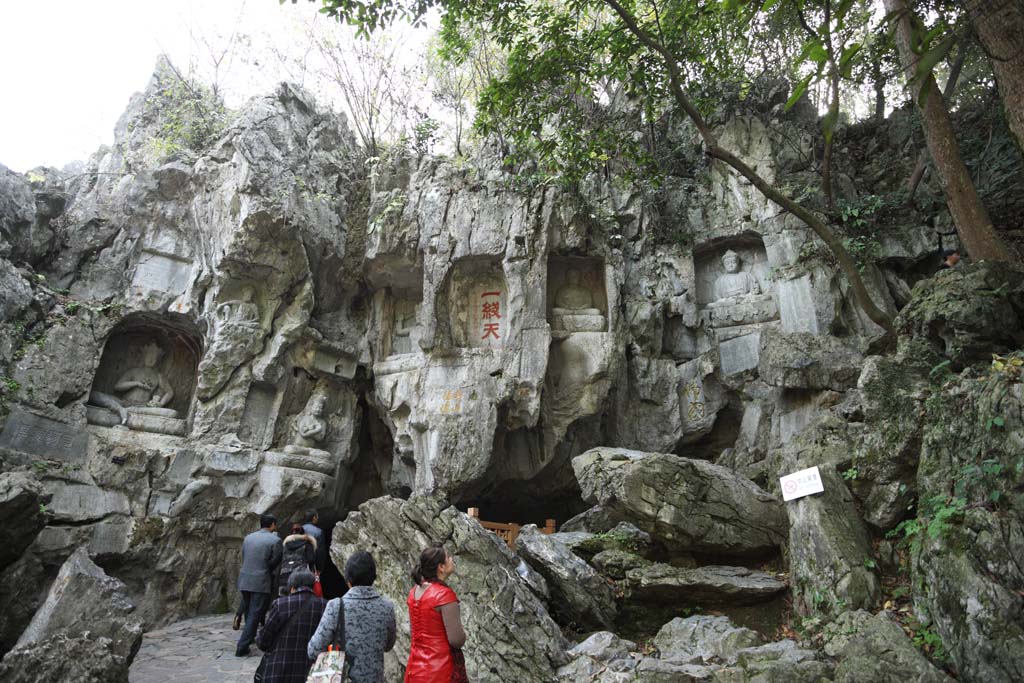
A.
x: 371, y: 472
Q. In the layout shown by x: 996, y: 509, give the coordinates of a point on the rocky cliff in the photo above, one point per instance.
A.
x: 267, y: 320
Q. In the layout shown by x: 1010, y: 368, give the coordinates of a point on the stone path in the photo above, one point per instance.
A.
x: 193, y: 651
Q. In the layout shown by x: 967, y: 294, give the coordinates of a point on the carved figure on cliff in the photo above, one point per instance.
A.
x: 241, y: 311
x: 405, y: 324
x: 734, y: 283
x: 573, y: 297
x: 310, y: 429
x: 574, y: 309
x: 144, y: 388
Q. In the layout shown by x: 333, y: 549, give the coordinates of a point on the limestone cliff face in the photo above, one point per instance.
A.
x: 274, y: 322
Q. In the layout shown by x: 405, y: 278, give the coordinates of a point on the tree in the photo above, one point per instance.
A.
x: 969, y: 214
x: 560, y: 50
x: 999, y: 25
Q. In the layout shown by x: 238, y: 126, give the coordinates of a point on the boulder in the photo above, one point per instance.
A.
x: 623, y: 536
x: 873, y: 648
x: 603, y: 646
x: 579, y: 595
x: 801, y: 360
x: 510, y: 634
x: 83, y: 599
x: 688, y: 505
x: 83, y: 658
x: 708, y: 585
x: 616, y: 563
x: 22, y: 508
x: 783, y: 661
x: 595, y: 520
x: 85, y: 630
x: 830, y: 557
x: 966, y: 313
x: 704, y: 639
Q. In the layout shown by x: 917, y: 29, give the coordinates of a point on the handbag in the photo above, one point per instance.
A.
x: 459, y: 674
x: 318, y: 589
x: 333, y: 666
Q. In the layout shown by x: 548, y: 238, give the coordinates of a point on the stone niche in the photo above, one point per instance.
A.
x: 477, y: 304
x: 147, y: 376
x: 734, y: 287
x: 402, y: 333
x: 577, y: 300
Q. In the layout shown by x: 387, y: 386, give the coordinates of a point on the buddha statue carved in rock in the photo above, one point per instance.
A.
x: 310, y: 429
x: 574, y: 309
x: 734, y: 284
x: 143, y: 389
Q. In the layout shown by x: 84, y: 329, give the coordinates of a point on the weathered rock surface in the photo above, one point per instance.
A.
x: 689, y: 505
x: 802, y: 360
x: 967, y: 313
x: 707, y: 585
x: 704, y: 639
x: 83, y: 598
x: 510, y: 635
x: 616, y: 563
x: 69, y: 659
x: 86, y: 611
x: 874, y: 648
x: 579, y: 595
x: 22, y: 503
x: 21, y: 594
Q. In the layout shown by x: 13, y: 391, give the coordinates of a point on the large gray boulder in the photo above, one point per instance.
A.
x: 689, y: 505
x: 510, y: 634
x: 84, y: 599
x: 579, y: 595
x: 707, y: 585
x: 91, y: 614
x: 704, y: 638
x: 874, y: 649
x: 69, y: 659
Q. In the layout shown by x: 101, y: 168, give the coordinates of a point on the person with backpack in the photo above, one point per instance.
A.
x: 299, y: 553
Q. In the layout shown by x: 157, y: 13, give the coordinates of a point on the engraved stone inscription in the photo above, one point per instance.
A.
x: 160, y: 272
x: 41, y: 436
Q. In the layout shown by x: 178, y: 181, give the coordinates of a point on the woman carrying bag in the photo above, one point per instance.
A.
x: 369, y: 629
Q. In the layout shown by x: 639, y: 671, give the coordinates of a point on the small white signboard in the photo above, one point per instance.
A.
x: 800, y: 484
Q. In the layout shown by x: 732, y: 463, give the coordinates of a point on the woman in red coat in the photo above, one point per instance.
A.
x: 435, y: 653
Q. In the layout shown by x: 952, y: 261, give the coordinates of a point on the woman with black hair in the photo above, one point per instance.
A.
x: 435, y: 653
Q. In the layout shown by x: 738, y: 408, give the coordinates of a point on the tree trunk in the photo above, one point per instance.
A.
x: 879, y: 79
x: 971, y: 218
x: 999, y: 25
x: 947, y: 92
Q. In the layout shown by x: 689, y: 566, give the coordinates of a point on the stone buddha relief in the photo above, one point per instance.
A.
x: 575, y: 307
x: 734, y: 287
x: 136, y: 387
x: 310, y: 429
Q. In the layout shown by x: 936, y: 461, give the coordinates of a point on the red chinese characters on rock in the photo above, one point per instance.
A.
x: 490, y: 315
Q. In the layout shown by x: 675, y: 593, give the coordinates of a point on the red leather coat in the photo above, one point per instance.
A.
x: 430, y: 658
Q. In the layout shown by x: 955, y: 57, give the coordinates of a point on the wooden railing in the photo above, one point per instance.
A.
x: 508, y: 532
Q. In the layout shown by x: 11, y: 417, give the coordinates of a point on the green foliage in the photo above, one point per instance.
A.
x: 851, y: 474
x: 190, y: 116
x: 928, y: 641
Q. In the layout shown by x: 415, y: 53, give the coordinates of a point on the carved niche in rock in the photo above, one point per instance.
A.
x: 577, y: 300
x: 733, y: 285
x: 146, y: 378
x: 405, y: 330
x: 236, y: 336
x: 478, y: 304
x: 307, y: 435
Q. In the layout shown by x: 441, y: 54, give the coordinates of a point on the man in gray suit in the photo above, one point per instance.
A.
x: 261, y: 554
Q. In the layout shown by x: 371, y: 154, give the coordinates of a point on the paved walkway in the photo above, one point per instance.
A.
x: 193, y: 651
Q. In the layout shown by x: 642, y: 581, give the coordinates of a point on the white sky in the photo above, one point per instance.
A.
x: 70, y: 66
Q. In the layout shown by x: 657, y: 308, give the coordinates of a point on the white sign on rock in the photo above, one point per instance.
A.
x: 800, y: 484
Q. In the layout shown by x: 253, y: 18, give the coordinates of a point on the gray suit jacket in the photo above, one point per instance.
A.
x: 261, y: 553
